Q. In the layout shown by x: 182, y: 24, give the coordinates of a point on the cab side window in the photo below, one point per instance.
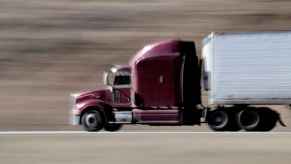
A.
x: 122, y: 80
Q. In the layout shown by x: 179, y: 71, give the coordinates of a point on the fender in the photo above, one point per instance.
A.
x: 90, y: 103
x: 97, y: 104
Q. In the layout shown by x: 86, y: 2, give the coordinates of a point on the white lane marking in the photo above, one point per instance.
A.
x: 136, y: 132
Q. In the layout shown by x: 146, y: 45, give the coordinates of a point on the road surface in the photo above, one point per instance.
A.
x: 145, y: 148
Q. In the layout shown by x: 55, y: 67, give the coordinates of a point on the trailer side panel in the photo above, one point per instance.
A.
x: 249, y: 68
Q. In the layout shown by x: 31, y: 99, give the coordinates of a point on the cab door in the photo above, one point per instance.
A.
x: 121, y: 90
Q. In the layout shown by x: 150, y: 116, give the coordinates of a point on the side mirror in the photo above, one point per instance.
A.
x: 205, y: 76
x: 105, y: 78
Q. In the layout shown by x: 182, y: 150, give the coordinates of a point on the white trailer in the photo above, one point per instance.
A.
x: 244, y: 70
x: 248, y: 68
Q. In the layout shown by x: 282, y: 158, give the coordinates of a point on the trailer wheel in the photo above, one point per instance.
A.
x: 233, y: 124
x: 258, y: 119
x: 222, y: 120
x: 249, y: 119
x: 92, y: 121
x: 269, y: 119
x: 112, y: 127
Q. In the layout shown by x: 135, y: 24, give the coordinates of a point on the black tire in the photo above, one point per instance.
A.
x: 258, y: 119
x: 112, y: 127
x: 92, y: 121
x: 233, y: 124
x: 269, y: 119
x: 249, y: 119
x: 223, y: 120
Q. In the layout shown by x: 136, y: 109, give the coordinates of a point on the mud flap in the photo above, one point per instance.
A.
x: 281, y: 121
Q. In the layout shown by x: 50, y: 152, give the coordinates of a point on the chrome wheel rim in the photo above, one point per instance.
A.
x: 91, y: 120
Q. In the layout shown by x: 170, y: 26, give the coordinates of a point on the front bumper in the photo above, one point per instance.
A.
x: 74, y: 113
x: 75, y: 120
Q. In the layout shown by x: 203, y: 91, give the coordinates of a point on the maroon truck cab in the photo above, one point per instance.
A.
x: 166, y: 81
x: 166, y: 74
x: 161, y: 86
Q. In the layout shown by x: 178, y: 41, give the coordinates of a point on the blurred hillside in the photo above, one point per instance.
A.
x: 50, y: 48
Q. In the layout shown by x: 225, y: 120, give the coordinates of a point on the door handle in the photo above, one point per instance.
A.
x: 161, y: 79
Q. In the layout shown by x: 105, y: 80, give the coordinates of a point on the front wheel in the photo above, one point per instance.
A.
x: 92, y: 121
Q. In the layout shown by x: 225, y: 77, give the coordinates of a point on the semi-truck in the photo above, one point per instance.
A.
x: 244, y: 74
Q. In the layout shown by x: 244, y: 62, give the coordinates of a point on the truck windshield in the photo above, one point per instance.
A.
x: 122, y: 80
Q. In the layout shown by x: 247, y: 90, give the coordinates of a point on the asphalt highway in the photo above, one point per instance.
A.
x: 144, y: 148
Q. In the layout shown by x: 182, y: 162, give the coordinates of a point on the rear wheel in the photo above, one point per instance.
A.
x: 249, y: 120
x: 258, y: 119
x: 92, y: 121
x: 269, y: 118
x: 223, y: 120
